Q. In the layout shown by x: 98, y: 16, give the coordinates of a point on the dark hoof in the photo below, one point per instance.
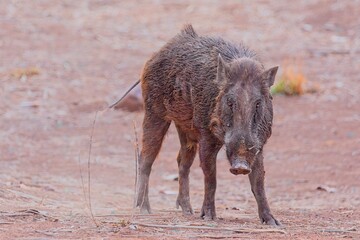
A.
x: 185, y: 207
x: 208, y: 214
x: 144, y: 205
x: 271, y: 221
x: 208, y: 218
x: 145, y: 211
x: 240, y: 167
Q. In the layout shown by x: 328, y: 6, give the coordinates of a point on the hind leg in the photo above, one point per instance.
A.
x: 154, y: 130
x: 185, y: 159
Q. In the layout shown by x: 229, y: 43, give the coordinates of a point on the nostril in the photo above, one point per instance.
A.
x: 240, y: 167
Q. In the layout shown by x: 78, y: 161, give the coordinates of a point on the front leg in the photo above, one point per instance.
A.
x: 208, y: 149
x: 256, y: 178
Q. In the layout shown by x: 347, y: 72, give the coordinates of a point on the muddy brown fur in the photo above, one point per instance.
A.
x: 216, y: 93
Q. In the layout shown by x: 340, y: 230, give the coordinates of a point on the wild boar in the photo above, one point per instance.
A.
x: 216, y: 93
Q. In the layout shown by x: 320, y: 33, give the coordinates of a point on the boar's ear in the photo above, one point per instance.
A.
x: 221, y: 71
x: 269, y: 76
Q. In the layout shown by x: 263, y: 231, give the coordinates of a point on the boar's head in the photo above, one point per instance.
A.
x: 243, y: 115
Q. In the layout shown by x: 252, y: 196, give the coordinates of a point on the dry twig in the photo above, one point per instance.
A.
x: 45, y: 233
x: 238, y: 230
x: 350, y: 230
x: 27, y: 213
x: 16, y: 215
x: 130, y: 215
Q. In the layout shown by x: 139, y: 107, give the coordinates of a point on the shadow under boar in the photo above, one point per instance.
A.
x: 216, y: 93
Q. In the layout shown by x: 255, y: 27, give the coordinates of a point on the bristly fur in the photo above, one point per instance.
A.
x: 191, y: 59
x: 189, y: 30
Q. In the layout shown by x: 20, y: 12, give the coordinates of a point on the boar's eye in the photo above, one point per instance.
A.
x: 256, y: 113
x: 257, y: 104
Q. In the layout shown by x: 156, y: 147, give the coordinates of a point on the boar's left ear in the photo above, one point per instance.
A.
x: 269, y: 76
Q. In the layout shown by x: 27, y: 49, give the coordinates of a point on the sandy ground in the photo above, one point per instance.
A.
x: 89, y: 52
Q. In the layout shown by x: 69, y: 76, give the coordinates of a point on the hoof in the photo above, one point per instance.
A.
x: 185, y: 207
x: 208, y: 214
x: 271, y: 221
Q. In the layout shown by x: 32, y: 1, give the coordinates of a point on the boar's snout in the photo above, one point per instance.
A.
x: 240, y: 166
x: 239, y: 149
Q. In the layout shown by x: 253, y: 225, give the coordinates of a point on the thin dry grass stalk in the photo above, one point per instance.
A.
x: 89, y: 170
x: 137, y: 157
x: 82, y: 183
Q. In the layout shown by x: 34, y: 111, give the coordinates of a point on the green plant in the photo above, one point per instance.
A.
x: 291, y: 82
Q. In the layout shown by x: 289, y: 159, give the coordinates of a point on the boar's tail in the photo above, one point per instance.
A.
x: 127, y: 92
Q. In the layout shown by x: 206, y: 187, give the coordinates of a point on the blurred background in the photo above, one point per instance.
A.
x: 61, y: 61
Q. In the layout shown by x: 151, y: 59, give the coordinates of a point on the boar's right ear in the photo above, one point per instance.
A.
x: 269, y: 76
x: 221, y: 71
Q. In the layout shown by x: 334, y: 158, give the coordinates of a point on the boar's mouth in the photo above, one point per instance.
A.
x: 240, y: 166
